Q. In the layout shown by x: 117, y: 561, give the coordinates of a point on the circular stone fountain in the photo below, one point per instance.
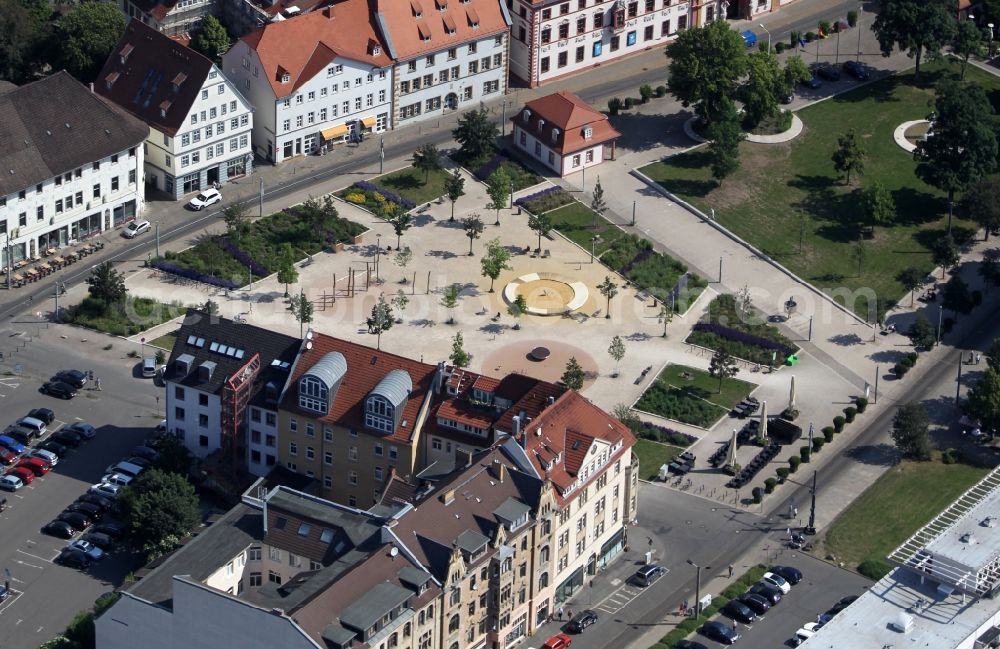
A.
x: 547, y: 293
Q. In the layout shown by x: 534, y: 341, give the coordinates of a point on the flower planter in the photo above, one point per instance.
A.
x: 357, y: 239
x: 339, y: 246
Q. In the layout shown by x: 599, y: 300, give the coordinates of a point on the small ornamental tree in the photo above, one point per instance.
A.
x: 945, y: 252
x: 286, y: 271
x: 302, y: 310
x: 912, y: 278
x: 608, y: 289
x: 401, y: 221
x: 517, y: 308
x: 598, y: 204
x: 459, y: 357
x: 541, y: 225
x: 454, y: 185
x: 573, y: 377
x: 617, y: 351
x: 381, y: 320
x: 498, y: 188
x: 722, y: 366
x: 449, y: 300
x: 402, y: 258
x: 850, y: 155
x: 496, y: 260
x: 910, y: 431
x: 236, y: 216
x: 665, y: 316
x: 427, y: 158
x: 473, y: 226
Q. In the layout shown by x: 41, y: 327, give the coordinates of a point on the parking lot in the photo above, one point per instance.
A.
x: 45, y: 596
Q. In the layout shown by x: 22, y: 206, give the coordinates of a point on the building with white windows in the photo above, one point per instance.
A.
x: 172, y: 17
x: 555, y: 38
x: 200, y: 124
x: 72, y: 166
x: 563, y: 133
x: 449, y: 54
x: 316, y: 80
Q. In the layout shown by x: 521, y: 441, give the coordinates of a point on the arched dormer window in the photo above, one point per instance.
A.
x: 313, y: 394
x: 379, y: 414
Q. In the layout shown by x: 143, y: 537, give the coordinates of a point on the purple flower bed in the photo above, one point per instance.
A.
x: 390, y: 196
x: 242, y: 257
x: 484, y: 172
x: 542, y: 194
x: 180, y: 271
x: 742, y: 337
x: 663, y: 434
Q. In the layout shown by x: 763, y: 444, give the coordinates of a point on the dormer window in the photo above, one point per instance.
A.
x: 588, y: 133
x: 376, y: 50
x: 314, y: 394
x: 285, y: 77
x: 541, y: 124
x: 555, y: 135
x: 125, y: 51
x: 527, y: 115
x: 379, y: 414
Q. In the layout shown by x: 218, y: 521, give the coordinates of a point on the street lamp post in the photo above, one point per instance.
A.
x: 593, y: 246
x: 697, y: 588
x: 811, y: 528
x: 761, y: 25
x: 990, y: 48
x: 633, y: 214
x: 836, y: 57
x: 958, y: 381
x: 378, y: 253
x: 512, y: 194
x: 875, y: 393
x: 860, y: 10
x: 940, y: 318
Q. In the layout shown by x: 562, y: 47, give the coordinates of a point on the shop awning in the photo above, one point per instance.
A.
x: 368, y: 122
x: 337, y: 131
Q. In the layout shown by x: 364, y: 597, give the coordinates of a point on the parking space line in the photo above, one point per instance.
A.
x: 37, y: 557
x: 14, y: 594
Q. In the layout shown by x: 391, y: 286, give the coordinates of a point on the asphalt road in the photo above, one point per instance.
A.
x: 47, y: 596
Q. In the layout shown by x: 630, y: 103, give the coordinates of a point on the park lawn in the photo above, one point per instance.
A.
x: 409, y: 183
x: 695, y: 400
x: 134, y: 315
x: 785, y: 191
x: 576, y: 222
x: 653, y: 455
x: 902, y: 500
x: 166, y: 341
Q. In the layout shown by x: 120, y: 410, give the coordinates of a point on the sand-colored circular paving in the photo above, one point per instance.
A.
x: 547, y: 293
x: 516, y: 357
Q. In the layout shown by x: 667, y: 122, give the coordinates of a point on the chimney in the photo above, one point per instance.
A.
x: 91, y: 87
x: 328, y: 12
x: 463, y: 457
x: 448, y: 497
x: 499, y: 470
x: 517, y: 425
x: 439, y: 377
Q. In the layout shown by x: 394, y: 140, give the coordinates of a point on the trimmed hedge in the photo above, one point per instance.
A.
x: 828, y: 432
x: 188, y: 273
x: 861, y: 404
x: 742, y: 337
x: 805, y: 453
x: 818, y: 444
x: 838, y: 423
x: 794, y: 462
x: 850, y: 413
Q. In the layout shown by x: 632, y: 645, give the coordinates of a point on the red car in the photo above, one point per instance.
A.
x: 558, y: 641
x: 7, y: 457
x: 27, y: 476
x: 35, y: 465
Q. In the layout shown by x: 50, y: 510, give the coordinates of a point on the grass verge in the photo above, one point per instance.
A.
x: 653, y: 455
x: 691, y: 395
x: 134, y: 315
x: 410, y: 183
x: 166, y: 341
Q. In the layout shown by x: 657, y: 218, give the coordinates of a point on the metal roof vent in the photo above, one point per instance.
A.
x: 903, y: 623
x: 969, y: 538
x: 989, y: 521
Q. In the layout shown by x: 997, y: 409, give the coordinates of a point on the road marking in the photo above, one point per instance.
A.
x: 14, y: 594
x: 36, y: 556
x: 30, y: 565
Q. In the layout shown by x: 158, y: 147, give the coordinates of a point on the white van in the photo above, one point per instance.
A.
x: 36, y: 426
x: 126, y: 469
x: 117, y: 479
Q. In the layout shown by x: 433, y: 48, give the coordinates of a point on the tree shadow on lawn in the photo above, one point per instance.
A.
x: 882, y: 90
x: 695, y: 188
x: 928, y: 238
x: 403, y: 181
x: 698, y: 159
x: 916, y: 207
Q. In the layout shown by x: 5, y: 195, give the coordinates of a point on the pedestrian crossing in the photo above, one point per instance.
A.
x: 620, y: 598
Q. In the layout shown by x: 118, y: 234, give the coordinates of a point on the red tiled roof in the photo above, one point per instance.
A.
x: 571, y: 115
x: 462, y: 411
x: 303, y: 45
x: 485, y: 383
x: 533, y: 402
x: 365, y: 368
x: 423, y: 28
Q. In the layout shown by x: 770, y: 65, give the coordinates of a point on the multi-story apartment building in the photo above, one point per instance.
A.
x: 315, y: 80
x: 448, y: 54
x: 223, y: 381
x: 72, y: 166
x: 199, y: 122
x: 554, y: 38
x: 172, y: 17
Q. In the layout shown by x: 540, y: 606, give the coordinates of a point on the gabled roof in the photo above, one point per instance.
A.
x: 303, y: 46
x: 157, y: 80
x: 158, y: 9
x: 421, y: 27
x: 569, y: 114
x: 56, y: 124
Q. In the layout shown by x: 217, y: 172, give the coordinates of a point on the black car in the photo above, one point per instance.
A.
x: 786, y: 97
x: 788, y: 573
x: 756, y: 603
x: 581, y: 621
x: 102, y: 541
x: 43, y: 414
x: 737, y: 610
x: 54, y: 447
x: 770, y: 593
x: 19, y: 435
x: 76, y: 378
x: 114, y: 530
x: 59, y: 389
x: 60, y: 529
x: 828, y: 72
x: 812, y: 83
x: 146, y: 453
x: 856, y: 70
x: 89, y: 510
x: 688, y: 644
x: 842, y: 604
x: 720, y: 632
x: 73, y: 558
x: 67, y: 438
x: 100, y: 501
x: 77, y: 520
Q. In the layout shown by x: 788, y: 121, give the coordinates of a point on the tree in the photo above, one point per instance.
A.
x: 617, y: 352
x: 399, y: 302
x: 211, y: 40
x: 597, y: 204
x: 860, y: 253
x: 911, y: 278
x: 173, y: 457
x: 796, y: 71
x: 573, y: 377
x: 725, y: 134
x: 449, y: 300
x: 286, y: 270
x: 498, y: 187
x: 744, y: 300
x: 401, y: 221
x: 962, y: 147
x: 850, y: 155
x: 236, y: 216
x: 211, y: 308
x: 402, y: 258
x: 473, y: 226
x: 915, y: 26
x: 459, y: 357
x: 921, y: 333
x: 496, y: 260
x: 966, y: 41
x: 24, y: 30
x: 540, y: 225
x: 665, y: 317
x: 158, y: 505
x: 722, y: 366
x: 381, y: 320
x: 86, y: 36
x: 993, y: 354
x: 877, y: 204
x: 302, y: 310
x: 454, y: 185
x: 989, y: 271
x: 623, y: 413
x: 608, y: 289
x: 476, y: 134
x: 427, y: 158
x: 983, y: 400
x: 517, y: 308
x: 945, y: 252
x: 107, y: 284
x: 705, y: 65
x: 981, y: 205
x: 762, y: 87
x: 956, y: 296
x: 910, y: 431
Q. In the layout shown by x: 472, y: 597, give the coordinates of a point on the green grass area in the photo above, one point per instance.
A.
x: 723, y: 311
x: 166, y: 341
x: 579, y: 224
x: 692, y: 396
x: 409, y: 183
x: 902, y: 500
x: 481, y: 168
x: 128, y: 318
x: 653, y: 455
x: 785, y: 191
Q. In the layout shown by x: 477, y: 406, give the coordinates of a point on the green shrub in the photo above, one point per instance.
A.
x: 805, y: 452
x: 629, y: 102
x: 758, y: 494
x: 838, y: 423
x: 824, y: 27
x: 810, y: 37
x: 614, y: 105
x: 793, y: 463
x: 977, y: 297
x: 874, y: 569
x: 645, y: 92
x: 828, y: 432
x: 818, y: 444
x: 782, y: 472
x: 161, y: 357
x: 779, y: 47
x: 912, y: 357
x: 762, y: 46
x: 791, y: 414
x: 731, y: 469
x: 661, y: 91
x: 900, y: 370
x: 769, y: 485
x: 861, y: 403
x: 850, y: 412
x: 852, y: 17
x: 949, y: 456
x: 793, y: 38
x: 907, y: 362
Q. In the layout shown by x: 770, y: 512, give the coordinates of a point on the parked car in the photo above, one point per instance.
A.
x: 135, y: 228
x: 7, y: 457
x: 204, y: 199
x: 103, y: 541
x: 558, y: 641
x: 582, y: 620
x: 76, y: 520
x: 48, y: 457
x: 76, y: 378
x: 770, y: 593
x: 90, y: 510
x: 737, y: 610
x: 106, y: 490
x: 26, y: 475
x: 812, y: 83
x: 93, y: 552
x: 67, y: 438
x: 94, y: 499
x: 35, y: 465
x: 53, y: 446
x: 788, y: 573
x: 83, y: 429
x: 145, y: 453
x: 148, y: 367
x: 43, y: 414
x: 19, y: 435
x: 36, y: 426
x: 776, y: 580
x: 842, y: 604
x: 140, y: 462
x: 807, y: 631
x: 117, y: 479
x: 59, y: 389
x: 9, y: 442
x: 115, y: 530
x: 828, y: 72
x: 857, y: 70
x: 646, y: 575
x: 10, y: 483
x: 4, y: 592
x: 73, y: 558
x: 720, y: 632
x: 60, y: 529
x: 756, y: 603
